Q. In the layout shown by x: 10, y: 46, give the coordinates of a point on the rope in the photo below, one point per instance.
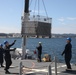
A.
x: 28, y: 69
x: 53, y: 61
x: 57, y: 62
x: 34, y: 68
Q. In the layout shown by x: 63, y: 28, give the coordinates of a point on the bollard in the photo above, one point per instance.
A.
x: 49, y: 70
x: 20, y: 72
x: 55, y: 66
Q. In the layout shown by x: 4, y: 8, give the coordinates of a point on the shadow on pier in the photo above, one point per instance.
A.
x: 70, y: 72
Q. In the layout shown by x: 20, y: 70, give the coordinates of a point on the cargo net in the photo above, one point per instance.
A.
x: 36, y: 25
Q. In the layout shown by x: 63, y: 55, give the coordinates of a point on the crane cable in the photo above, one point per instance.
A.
x: 30, y: 2
x: 45, y: 8
x: 39, y: 7
x: 34, y: 7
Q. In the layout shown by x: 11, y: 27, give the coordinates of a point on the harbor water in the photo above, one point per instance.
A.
x: 52, y: 46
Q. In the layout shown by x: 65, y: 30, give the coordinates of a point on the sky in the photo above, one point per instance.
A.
x: 62, y: 12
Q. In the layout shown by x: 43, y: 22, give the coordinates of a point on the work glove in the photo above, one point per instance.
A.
x: 14, y: 41
x: 14, y: 49
x: 62, y: 54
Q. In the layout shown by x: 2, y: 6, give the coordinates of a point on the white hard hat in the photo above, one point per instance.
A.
x: 39, y: 42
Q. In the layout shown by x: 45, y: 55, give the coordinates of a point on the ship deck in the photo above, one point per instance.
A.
x: 32, y: 67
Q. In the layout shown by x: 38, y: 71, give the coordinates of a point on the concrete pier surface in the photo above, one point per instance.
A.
x: 32, y: 67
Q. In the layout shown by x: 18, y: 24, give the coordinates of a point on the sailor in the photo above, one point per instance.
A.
x: 1, y: 55
x: 39, y: 48
x: 68, y: 53
x: 8, y: 55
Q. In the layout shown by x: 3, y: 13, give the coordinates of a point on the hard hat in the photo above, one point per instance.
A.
x: 69, y: 39
x: 5, y: 42
x: 1, y: 45
x: 39, y: 42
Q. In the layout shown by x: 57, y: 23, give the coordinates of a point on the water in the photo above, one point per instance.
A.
x: 53, y: 46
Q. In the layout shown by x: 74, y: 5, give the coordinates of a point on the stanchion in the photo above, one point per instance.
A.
x: 49, y: 70
x: 55, y: 66
x: 20, y: 72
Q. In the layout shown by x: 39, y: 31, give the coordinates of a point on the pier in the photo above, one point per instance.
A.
x: 32, y: 67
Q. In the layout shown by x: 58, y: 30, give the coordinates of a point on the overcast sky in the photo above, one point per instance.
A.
x: 62, y: 12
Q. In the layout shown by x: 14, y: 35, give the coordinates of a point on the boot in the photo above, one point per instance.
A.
x: 2, y: 65
x: 7, y: 72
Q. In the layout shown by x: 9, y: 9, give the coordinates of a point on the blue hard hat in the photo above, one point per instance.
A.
x: 69, y: 38
x: 1, y: 45
x: 5, y: 42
